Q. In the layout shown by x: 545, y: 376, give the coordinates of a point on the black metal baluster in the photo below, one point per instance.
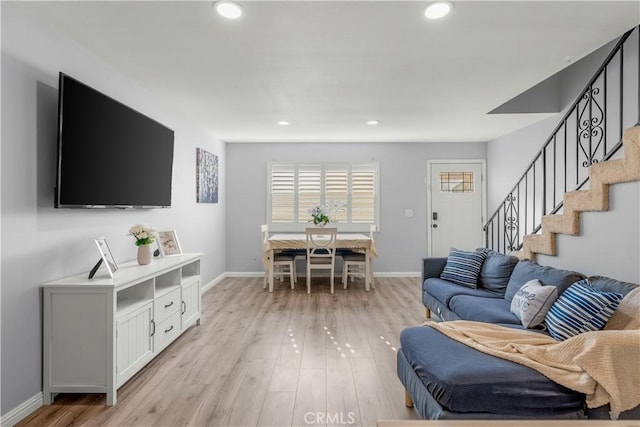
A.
x: 533, y: 201
x: 565, y: 156
x: 554, y: 170
x: 498, y: 235
x: 604, y: 119
x: 544, y: 181
x: 518, y: 226
x: 577, y: 142
x: 622, y: 85
x: 590, y: 128
x: 526, y: 201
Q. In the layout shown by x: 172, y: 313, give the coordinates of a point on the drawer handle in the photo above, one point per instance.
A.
x: 168, y: 305
x: 167, y: 330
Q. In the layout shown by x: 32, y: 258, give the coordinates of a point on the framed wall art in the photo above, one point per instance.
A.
x: 206, y: 177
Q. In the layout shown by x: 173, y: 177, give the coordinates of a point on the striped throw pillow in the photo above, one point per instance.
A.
x: 463, y: 267
x: 581, y: 308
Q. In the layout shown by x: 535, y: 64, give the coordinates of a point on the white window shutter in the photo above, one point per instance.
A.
x: 336, y: 191
x: 363, y: 194
x: 309, y: 189
x: 282, y: 193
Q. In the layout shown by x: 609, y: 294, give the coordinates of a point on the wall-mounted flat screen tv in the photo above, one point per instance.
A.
x: 109, y: 155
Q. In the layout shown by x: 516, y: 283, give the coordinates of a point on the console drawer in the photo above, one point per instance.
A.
x: 166, y: 331
x: 166, y: 305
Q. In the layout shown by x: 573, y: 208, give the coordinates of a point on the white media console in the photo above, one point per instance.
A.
x: 97, y: 333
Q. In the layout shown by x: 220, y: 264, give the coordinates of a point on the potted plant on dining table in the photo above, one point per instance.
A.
x: 319, y: 215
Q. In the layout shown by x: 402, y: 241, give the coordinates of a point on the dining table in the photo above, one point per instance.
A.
x: 283, y: 241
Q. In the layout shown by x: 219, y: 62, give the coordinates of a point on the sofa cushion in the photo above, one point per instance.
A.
x: 496, y: 271
x: 443, y: 290
x: 463, y: 268
x: 438, y: 309
x: 612, y: 285
x: 581, y: 308
x: 490, y: 310
x: 532, y: 302
x: 464, y: 380
x: 526, y: 270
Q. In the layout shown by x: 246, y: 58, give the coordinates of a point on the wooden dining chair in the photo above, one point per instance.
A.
x: 321, y: 252
x: 355, y: 263
x: 283, y: 264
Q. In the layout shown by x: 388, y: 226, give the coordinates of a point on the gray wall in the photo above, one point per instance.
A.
x: 610, y: 242
x: 402, y: 241
x: 40, y: 243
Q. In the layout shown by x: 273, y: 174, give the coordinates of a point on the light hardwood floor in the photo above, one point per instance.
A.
x: 268, y: 359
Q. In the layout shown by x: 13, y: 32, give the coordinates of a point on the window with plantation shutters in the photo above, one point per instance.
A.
x: 348, y: 190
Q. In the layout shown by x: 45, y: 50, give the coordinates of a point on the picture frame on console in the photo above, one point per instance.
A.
x: 106, y: 257
x: 168, y: 243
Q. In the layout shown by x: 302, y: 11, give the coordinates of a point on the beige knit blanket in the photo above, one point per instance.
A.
x: 604, y: 365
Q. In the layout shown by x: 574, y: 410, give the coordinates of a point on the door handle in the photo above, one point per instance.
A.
x: 434, y: 216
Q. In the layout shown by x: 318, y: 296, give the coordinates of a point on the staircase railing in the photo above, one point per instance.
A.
x: 590, y: 132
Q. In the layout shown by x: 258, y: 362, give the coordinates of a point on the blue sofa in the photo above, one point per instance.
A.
x: 445, y: 379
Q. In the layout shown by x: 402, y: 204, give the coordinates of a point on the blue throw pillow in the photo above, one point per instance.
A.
x: 581, y: 308
x: 496, y: 271
x: 526, y: 270
x: 463, y: 268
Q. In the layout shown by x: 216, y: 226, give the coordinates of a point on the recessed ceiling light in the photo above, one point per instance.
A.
x: 284, y: 123
x: 228, y: 9
x: 373, y: 122
x: 438, y: 9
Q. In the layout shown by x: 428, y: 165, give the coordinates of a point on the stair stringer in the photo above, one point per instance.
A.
x: 595, y: 199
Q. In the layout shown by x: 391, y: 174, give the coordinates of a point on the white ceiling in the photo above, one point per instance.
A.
x: 328, y: 66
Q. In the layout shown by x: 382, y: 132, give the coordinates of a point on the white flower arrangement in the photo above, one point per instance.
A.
x: 319, y: 215
x: 144, y: 234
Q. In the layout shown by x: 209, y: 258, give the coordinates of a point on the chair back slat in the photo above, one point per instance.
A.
x: 321, y: 251
x: 321, y: 242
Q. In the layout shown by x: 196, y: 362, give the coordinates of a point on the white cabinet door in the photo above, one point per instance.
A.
x: 134, y: 342
x: 190, y: 303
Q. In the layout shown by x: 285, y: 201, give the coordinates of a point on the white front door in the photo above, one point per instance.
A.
x: 455, y: 206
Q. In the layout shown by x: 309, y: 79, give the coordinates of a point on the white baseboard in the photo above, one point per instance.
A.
x: 212, y: 283
x: 397, y: 274
x: 244, y: 274
x: 19, y: 413
x: 301, y: 274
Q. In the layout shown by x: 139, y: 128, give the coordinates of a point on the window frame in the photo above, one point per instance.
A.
x: 298, y: 226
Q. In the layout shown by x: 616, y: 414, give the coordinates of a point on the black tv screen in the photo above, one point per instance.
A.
x: 109, y: 155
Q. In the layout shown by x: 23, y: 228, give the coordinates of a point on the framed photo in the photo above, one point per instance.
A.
x: 107, y: 256
x: 168, y: 243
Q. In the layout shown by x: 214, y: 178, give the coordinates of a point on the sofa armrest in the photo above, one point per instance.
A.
x: 432, y: 267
